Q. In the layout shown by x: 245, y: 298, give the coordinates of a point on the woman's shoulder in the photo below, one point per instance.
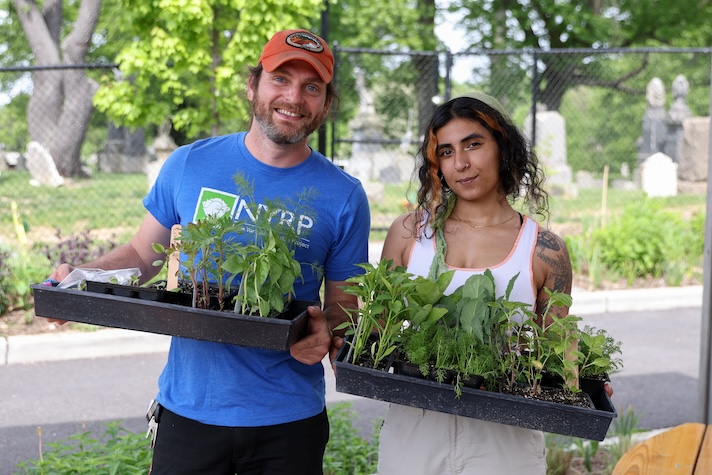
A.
x: 548, y: 241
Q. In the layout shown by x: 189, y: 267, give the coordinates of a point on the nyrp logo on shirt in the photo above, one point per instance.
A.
x: 214, y: 203
x: 218, y: 203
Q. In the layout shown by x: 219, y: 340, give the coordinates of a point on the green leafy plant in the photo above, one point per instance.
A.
x: 21, y: 268
x: 558, y: 456
x: 586, y: 449
x: 470, y: 332
x: 385, y: 293
x: 348, y: 452
x: 598, y: 352
x: 458, y: 338
x: 636, y: 245
x: 115, y: 452
x: 624, y: 427
x: 265, y: 267
x: 121, y: 452
x: 207, y: 244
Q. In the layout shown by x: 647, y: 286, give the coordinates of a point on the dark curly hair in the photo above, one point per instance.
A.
x: 519, y: 171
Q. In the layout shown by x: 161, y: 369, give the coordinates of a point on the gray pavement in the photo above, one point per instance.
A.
x: 69, y: 382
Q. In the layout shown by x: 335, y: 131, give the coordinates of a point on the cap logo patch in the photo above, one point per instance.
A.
x: 305, y: 41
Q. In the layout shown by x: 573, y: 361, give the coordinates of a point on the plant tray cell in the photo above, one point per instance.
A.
x: 160, y: 311
x: 478, y: 404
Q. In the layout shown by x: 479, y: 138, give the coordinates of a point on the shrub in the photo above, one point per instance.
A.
x: 5, y: 274
x: 347, y: 452
x: 120, y: 452
x: 19, y: 271
x: 644, y: 241
x: 75, y: 249
x: 117, y: 451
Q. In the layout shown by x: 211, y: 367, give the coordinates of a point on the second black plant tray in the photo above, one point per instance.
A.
x: 478, y: 404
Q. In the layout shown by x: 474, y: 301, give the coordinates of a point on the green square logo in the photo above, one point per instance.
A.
x: 214, y: 203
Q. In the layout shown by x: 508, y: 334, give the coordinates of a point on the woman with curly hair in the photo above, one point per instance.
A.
x: 474, y: 165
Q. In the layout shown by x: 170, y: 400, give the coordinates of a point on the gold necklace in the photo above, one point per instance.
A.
x: 478, y: 226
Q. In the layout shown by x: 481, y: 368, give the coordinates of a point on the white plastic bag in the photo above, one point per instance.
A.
x: 120, y: 276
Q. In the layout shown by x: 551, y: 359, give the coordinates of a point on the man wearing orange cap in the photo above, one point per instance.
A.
x: 225, y: 409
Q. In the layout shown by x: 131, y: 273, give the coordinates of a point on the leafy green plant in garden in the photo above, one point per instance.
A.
x: 347, y: 451
x: 558, y: 456
x: 267, y: 267
x: 121, y: 452
x: 75, y: 249
x: 5, y: 275
x: 268, y: 273
x: 116, y: 452
x: 624, y: 427
x: 538, y: 344
x: 641, y: 241
x: 470, y: 332
x: 22, y: 268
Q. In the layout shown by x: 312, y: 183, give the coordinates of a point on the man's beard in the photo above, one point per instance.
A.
x: 283, y: 133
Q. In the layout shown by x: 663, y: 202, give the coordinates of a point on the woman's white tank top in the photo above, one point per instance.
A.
x: 519, y: 260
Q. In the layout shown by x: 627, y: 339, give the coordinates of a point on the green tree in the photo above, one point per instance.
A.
x: 60, y: 107
x: 551, y: 24
x: 187, y: 62
x: 402, y: 85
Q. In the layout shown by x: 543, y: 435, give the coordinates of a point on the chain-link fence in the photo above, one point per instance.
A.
x: 599, y: 114
x: 593, y: 117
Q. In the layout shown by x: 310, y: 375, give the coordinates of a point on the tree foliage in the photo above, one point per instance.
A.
x: 550, y: 24
x: 188, y: 60
x: 402, y: 86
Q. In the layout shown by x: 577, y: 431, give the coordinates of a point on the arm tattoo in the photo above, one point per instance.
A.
x: 553, y: 253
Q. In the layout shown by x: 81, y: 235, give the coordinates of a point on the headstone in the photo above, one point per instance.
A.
x: 370, y: 160
x: 676, y: 116
x: 654, y: 129
x: 658, y: 175
x: 163, y: 146
x: 367, y: 130
x: 585, y: 179
x: 693, y: 161
x: 13, y: 160
x: 124, y: 151
x: 41, y: 166
x: 551, y: 146
x: 625, y: 170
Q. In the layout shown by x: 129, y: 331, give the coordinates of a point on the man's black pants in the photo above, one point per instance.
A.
x: 184, y: 446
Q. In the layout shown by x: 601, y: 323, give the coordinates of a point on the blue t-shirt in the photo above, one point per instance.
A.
x: 228, y: 385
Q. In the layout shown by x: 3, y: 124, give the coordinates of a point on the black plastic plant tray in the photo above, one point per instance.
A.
x: 478, y: 404
x: 145, y: 311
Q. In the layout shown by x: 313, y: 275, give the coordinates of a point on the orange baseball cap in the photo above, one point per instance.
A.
x: 298, y: 44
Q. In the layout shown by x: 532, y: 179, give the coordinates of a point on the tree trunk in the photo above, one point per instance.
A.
x: 61, y: 104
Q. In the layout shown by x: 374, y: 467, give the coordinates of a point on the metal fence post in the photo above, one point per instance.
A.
x: 706, y: 324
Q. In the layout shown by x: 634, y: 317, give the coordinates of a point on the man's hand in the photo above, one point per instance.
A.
x: 316, y: 344
x: 336, y: 343
x: 59, y: 274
